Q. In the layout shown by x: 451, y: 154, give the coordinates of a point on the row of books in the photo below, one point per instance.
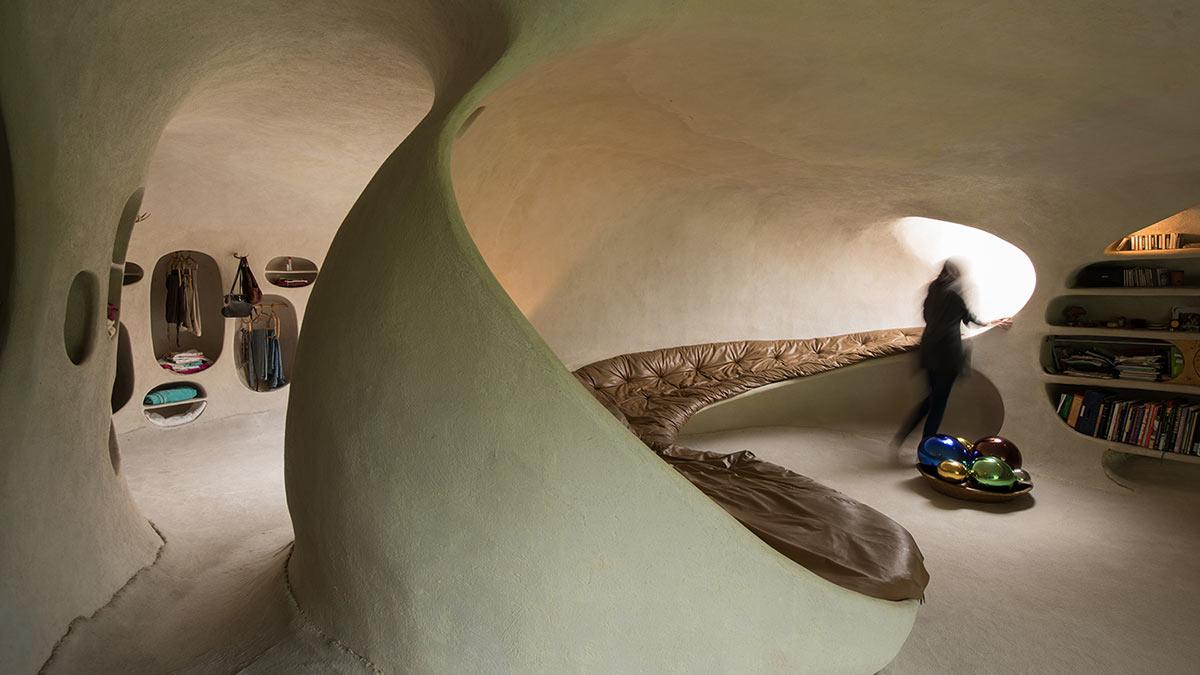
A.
x: 1166, y: 426
x: 1154, y: 242
x: 1148, y: 277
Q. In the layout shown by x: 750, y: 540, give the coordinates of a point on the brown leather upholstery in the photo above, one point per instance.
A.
x: 654, y: 393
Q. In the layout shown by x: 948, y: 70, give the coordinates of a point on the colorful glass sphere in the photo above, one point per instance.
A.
x: 996, y: 446
x: 993, y: 472
x: 953, y: 471
x: 1022, y: 476
x: 936, y: 448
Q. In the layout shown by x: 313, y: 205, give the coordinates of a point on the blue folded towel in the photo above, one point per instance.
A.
x: 172, y: 395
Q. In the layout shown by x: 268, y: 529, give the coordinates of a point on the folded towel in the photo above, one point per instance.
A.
x: 172, y: 395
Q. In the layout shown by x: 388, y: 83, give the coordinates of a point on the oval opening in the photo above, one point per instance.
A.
x: 133, y: 274
x: 122, y: 389
x: 289, y: 271
x: 998, y: 277
x: 174, y: 404
x: 186, y: 326
x: 266, y: 344
x: 80, y: 320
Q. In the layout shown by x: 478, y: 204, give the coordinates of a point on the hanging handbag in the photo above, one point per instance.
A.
x: 250, y: 287
x: 237, y: 304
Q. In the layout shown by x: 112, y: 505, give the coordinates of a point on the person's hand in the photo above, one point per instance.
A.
x: 1005, y: 323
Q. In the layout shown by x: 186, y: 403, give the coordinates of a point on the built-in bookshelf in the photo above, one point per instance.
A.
x: 1138, y: 422
x: 1122, y: 349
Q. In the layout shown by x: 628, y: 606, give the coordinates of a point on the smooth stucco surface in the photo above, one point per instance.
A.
x: 674, y: 168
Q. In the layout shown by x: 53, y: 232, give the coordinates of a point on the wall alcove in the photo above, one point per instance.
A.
x: 1121, y: 354
x: 80, y: 320
x: 133, y: 274
x: 289, y: 271
x: 272, y: 326
x: 188, y: 336
x: 118, y: 271
x: 122, y: 389
x: 174, y: 404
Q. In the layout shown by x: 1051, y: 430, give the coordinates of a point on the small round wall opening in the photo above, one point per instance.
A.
x: 79, y: 324
x: 132, y: 274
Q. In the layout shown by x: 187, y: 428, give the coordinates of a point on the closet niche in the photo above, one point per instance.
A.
x: 174, y: 404
x: 186, y: 326
x: 265, y: 344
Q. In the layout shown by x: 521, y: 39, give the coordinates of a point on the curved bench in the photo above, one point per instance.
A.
x: 846, y: 542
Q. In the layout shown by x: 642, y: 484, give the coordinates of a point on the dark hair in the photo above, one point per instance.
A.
x: 950, y: 273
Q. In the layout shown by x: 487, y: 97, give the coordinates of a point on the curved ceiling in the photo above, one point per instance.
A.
x: 285, y: 147
x: 737, y: 175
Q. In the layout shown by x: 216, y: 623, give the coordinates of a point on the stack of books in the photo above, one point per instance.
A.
x: 1154, y: 242
x: 1165, y: 426
x: 1144, y: 368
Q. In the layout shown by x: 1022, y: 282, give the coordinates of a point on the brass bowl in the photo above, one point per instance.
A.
x: 967, y: 492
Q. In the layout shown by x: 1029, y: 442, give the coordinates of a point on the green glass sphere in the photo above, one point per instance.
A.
x: 993, y: 472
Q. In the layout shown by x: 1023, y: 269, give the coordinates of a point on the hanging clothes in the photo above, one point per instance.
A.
x: 182, y: 305
x: 260, y: 351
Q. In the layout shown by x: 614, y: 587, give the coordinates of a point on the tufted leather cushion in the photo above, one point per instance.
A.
x: 655, y: 393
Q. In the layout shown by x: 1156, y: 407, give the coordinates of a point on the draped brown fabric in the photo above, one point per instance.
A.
x: 844, y: 541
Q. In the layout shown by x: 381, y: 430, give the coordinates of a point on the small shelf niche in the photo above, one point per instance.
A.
x: 1174, y: 236
x: 175, y: 344
x: 289, y: 271
x: 272, y: 325
x: 174, y: 404
x: 131, y: 274
x: 1128, y: 312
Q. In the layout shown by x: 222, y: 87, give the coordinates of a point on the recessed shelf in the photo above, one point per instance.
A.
x: 1097, y: 331
x: 289, y: 271
x: 175, y: 413
x: 1118, y: 383
x: 1122, y: 290
x: 175, y: 404
x: 1194, y: 252
x: 1128, y: 449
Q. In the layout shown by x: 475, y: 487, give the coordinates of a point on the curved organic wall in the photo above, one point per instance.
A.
x: 449, y: 477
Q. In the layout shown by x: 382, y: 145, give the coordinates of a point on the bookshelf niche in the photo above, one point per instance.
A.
x: 1121, y: 353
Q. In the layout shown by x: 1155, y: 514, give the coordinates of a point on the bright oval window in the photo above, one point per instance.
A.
x: 999, y: 277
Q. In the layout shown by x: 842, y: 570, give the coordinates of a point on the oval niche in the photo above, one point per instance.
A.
x: 289, y: 271
x: 186, y: 326
x: 80, y: 321
x: 265, y: 344
x: 133, y: 274
x: 174, y: 404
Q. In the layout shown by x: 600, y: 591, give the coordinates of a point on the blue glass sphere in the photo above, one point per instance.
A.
x: 940, y: 447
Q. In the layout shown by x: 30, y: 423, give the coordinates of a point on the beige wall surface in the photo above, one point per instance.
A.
x: 644, y: 174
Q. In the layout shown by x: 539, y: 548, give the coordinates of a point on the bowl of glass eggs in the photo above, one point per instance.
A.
x: 988, y: 470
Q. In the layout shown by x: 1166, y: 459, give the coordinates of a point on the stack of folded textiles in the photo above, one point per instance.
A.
x: 190, y: 361
x: 1147, y: 368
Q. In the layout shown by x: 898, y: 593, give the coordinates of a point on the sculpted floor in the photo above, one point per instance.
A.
x: 1079, y: 581
x: 1084, y: 581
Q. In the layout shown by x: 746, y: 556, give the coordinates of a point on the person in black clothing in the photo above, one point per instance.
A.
x: 941, y: 350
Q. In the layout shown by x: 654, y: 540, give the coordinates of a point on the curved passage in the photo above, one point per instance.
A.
x: 841, y: 540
